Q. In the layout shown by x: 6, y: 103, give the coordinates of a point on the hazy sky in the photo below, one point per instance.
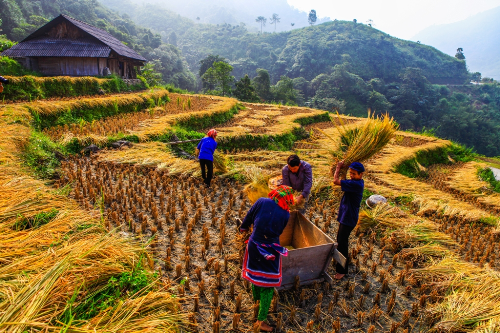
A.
x: 399, y: 18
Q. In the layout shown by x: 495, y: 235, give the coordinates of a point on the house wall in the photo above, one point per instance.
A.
x: 53, y: 66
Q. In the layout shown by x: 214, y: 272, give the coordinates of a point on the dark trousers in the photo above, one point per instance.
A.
x: 207, y: 174
x: 343, y: 246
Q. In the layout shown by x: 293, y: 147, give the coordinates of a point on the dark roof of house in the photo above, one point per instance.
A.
x: 97, y: 44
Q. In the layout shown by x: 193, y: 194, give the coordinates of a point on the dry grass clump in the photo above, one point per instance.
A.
x: 381, y: 216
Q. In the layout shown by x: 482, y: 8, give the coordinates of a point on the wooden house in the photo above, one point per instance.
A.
x: 66, y: 46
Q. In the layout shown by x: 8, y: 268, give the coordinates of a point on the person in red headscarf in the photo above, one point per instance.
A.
x: 262, y: 262
x: 206, y: 149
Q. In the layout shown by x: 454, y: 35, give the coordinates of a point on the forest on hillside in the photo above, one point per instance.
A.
x: 338, y: 66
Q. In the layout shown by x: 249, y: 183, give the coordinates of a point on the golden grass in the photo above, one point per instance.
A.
x: 466, y: 180
x: 47, y: 108
x: 472, y: 295
x: 98, y: 131
x: 42, y: 268
x: 159, y: 125
x: 265, y: 119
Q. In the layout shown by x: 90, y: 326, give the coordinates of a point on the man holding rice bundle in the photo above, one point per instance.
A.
x: 262, y: 262
x: 349, y: 209
x: 298, y: 175
x: 206, y: 149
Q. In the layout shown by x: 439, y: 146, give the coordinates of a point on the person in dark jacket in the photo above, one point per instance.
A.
x: 262, y: 262
x: 2, y: 82
x: 206, y: 149
x: 298, y: 175
x: 349, y: 209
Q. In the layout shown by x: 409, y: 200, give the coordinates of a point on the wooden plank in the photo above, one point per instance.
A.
x: 307, y: 263
x: 287, y: 234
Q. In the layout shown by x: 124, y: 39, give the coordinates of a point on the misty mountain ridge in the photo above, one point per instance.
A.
x: 477, y: 35
x: 234, y: 12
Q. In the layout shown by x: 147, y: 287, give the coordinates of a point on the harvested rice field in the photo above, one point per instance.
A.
x: 128, y: 239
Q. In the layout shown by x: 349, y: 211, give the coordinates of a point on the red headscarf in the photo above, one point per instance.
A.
x: 283, y: 196
x: 212, y: 133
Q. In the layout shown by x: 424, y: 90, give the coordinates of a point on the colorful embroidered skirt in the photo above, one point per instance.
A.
x: 262, y: 264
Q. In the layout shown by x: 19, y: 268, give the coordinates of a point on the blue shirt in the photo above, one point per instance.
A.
x: 351, y: 201
x: 268, y: 219
x: 207, y: 148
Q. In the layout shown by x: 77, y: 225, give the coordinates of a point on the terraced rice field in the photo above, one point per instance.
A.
x: 145, y: 204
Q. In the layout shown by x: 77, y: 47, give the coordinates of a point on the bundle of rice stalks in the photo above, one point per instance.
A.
x: 422, y: 253
x: 361, y: 143
x: 259, y: 180
x: 221, y: 162
x: 380, y: 216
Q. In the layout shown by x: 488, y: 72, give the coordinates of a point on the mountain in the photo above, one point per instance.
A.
x: 306, y: 52
x: 235, y: 12
x: 477, y: 35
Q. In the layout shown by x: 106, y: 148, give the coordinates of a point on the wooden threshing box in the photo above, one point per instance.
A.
x: 311, y: 254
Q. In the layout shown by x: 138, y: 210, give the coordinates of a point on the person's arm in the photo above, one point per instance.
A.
x: 308, y: 181
x: 250, y: 217
x: 197, y: 150
x: 284, y: 175
x: 336, y: 176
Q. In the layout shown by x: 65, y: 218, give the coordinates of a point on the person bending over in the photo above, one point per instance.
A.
x: 206, y: 149
x: 349, y: 209
x: 262, y: 262
x: 298, y: 175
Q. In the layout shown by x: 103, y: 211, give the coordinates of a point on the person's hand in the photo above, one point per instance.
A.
x: 300, y: 199
x: 340, y: 165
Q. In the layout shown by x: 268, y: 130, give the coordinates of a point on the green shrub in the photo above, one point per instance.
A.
x: 313, y: 120
x: 109, y: 293
x: 41, y: 155
x: 36, y: 221
x: 425, y: 158
x: 487, y: 175
x: 28, y: 88
x: 9, y: 66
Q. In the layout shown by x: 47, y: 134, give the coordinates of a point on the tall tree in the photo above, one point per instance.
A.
x: 245, y: 91
x: 460, y: 54
x: 313, y: 17
x: 275, y: 19
x: 220, y: 75
x: 262, y: 84
x: 208, y: 62
x: 262, y: 20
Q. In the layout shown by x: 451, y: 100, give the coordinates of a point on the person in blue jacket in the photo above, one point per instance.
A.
x: 349, y: 209
x: 262, y: 262
x: 206, y: 149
